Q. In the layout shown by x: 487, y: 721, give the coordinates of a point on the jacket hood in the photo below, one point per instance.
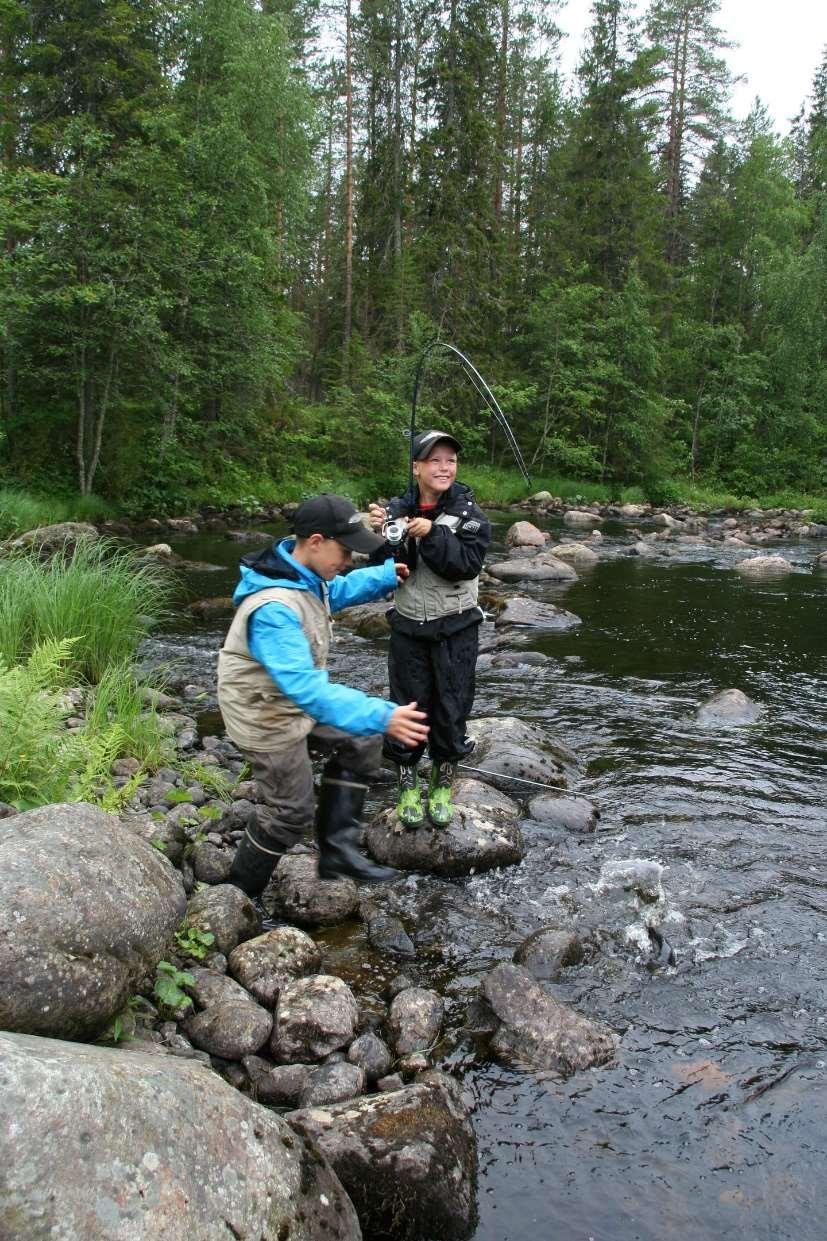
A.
x: 274, y: 567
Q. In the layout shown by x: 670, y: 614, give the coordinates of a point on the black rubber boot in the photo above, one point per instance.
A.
x: 339, y: 828
x: 252, y: 865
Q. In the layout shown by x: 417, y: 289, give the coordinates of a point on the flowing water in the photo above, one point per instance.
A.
x: 712, y: 1120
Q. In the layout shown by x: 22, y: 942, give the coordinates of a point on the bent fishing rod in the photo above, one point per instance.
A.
x: 482, y: 389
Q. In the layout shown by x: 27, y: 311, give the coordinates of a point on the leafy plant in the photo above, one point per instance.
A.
x: 169, y: 984
x: 194, y: 942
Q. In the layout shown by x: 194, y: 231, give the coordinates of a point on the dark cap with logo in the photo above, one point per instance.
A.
x: 335, y: 518
x: 427, y: 440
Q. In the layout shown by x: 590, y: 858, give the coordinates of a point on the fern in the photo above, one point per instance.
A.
x: 34, y: 759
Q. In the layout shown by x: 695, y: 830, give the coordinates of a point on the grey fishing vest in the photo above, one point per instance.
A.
x: 257, y: 715
x: 426, y: 596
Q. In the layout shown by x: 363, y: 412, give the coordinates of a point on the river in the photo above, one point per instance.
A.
x: 711, y: 1122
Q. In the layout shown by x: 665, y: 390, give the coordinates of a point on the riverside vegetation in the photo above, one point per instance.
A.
x: 227, y: 240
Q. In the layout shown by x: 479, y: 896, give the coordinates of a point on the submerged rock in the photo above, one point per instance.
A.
x: 729, y: 706
x: 87, y: 909
x: 549, y: 951
x: 483, y: 834
x: 538, y: 1030
x: 531, y: 613
x: 764, y: 567
x: 407, y: 1158
x: 575, y: 814
x: 106, y: 1144
x: 542, y: 568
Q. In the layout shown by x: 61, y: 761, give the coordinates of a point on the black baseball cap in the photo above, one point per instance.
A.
x: 335, y: 518
x: 426, y: 440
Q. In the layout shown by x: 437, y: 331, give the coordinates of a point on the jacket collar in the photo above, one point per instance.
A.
x: 277, y: 563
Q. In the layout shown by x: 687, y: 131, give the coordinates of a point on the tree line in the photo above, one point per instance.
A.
x: 229, y: 227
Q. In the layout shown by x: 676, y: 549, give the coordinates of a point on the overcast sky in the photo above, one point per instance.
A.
x: 781, y: 44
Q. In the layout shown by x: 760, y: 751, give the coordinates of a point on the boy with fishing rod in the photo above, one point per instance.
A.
x: 438, y: 531
x: 441, y: 536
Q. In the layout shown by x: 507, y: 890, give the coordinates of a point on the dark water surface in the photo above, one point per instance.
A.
x: 712, y: 1121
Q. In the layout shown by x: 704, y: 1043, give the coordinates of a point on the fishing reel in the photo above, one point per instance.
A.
x: 395, y: 531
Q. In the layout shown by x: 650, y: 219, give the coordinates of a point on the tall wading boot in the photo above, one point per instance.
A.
x: 339, y: 830
x: 253, y: 865
x: 440, y: 806
x: 409, y: 809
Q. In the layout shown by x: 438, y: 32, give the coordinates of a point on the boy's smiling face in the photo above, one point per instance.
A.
x: 439, y: 470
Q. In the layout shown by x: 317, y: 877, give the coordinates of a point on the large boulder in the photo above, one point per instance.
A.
x: 408, y: 1158
x: 729, y: 706
x: 483, y: 834
x: 764, y: 567
x: 62, y: 536
x: 538, y: 1030
x: 368, y: 620
x: 87, y: 909
x: 98, y: 1144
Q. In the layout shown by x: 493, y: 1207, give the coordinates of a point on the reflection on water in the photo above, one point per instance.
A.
x: 711, y: 1122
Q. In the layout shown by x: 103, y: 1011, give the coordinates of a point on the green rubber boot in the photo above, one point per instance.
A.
x: 440, y: 806
x: 409, y: 806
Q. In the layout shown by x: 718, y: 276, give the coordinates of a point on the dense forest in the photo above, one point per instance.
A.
x: 229, y: 228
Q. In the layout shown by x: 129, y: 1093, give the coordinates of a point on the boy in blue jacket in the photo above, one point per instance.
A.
x: 276, y: 697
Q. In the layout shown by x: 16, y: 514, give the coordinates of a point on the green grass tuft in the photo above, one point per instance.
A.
x: 105, y: 599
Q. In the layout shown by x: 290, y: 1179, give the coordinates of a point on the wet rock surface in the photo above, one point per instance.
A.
x: 764, y: 567
x: 539, y: 1030
x: 530, y: 613
x: 415, y: 1020
x: 86, y: 911
x: 407, y: 1158
x: 106, y: 1144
